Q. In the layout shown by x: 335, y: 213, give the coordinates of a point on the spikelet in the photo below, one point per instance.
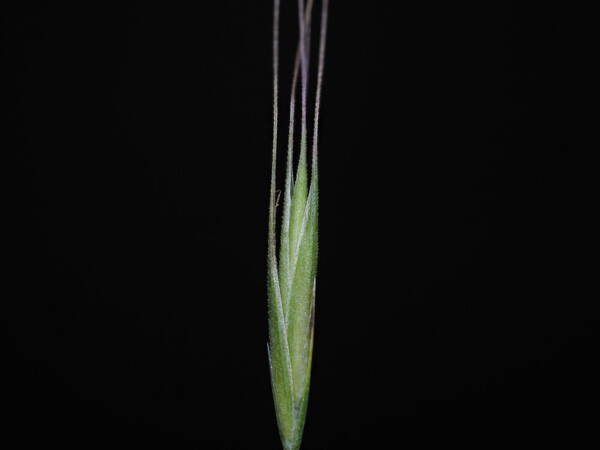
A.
x: 292, y: 279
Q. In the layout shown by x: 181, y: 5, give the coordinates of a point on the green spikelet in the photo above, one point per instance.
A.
x: 292, y: 279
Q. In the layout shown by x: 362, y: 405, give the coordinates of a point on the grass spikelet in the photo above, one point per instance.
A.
x: 291, y: 281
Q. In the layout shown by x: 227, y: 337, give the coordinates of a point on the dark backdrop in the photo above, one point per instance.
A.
x: 134, y: 305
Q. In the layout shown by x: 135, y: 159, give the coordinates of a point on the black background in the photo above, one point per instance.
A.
x: 134, y: 312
